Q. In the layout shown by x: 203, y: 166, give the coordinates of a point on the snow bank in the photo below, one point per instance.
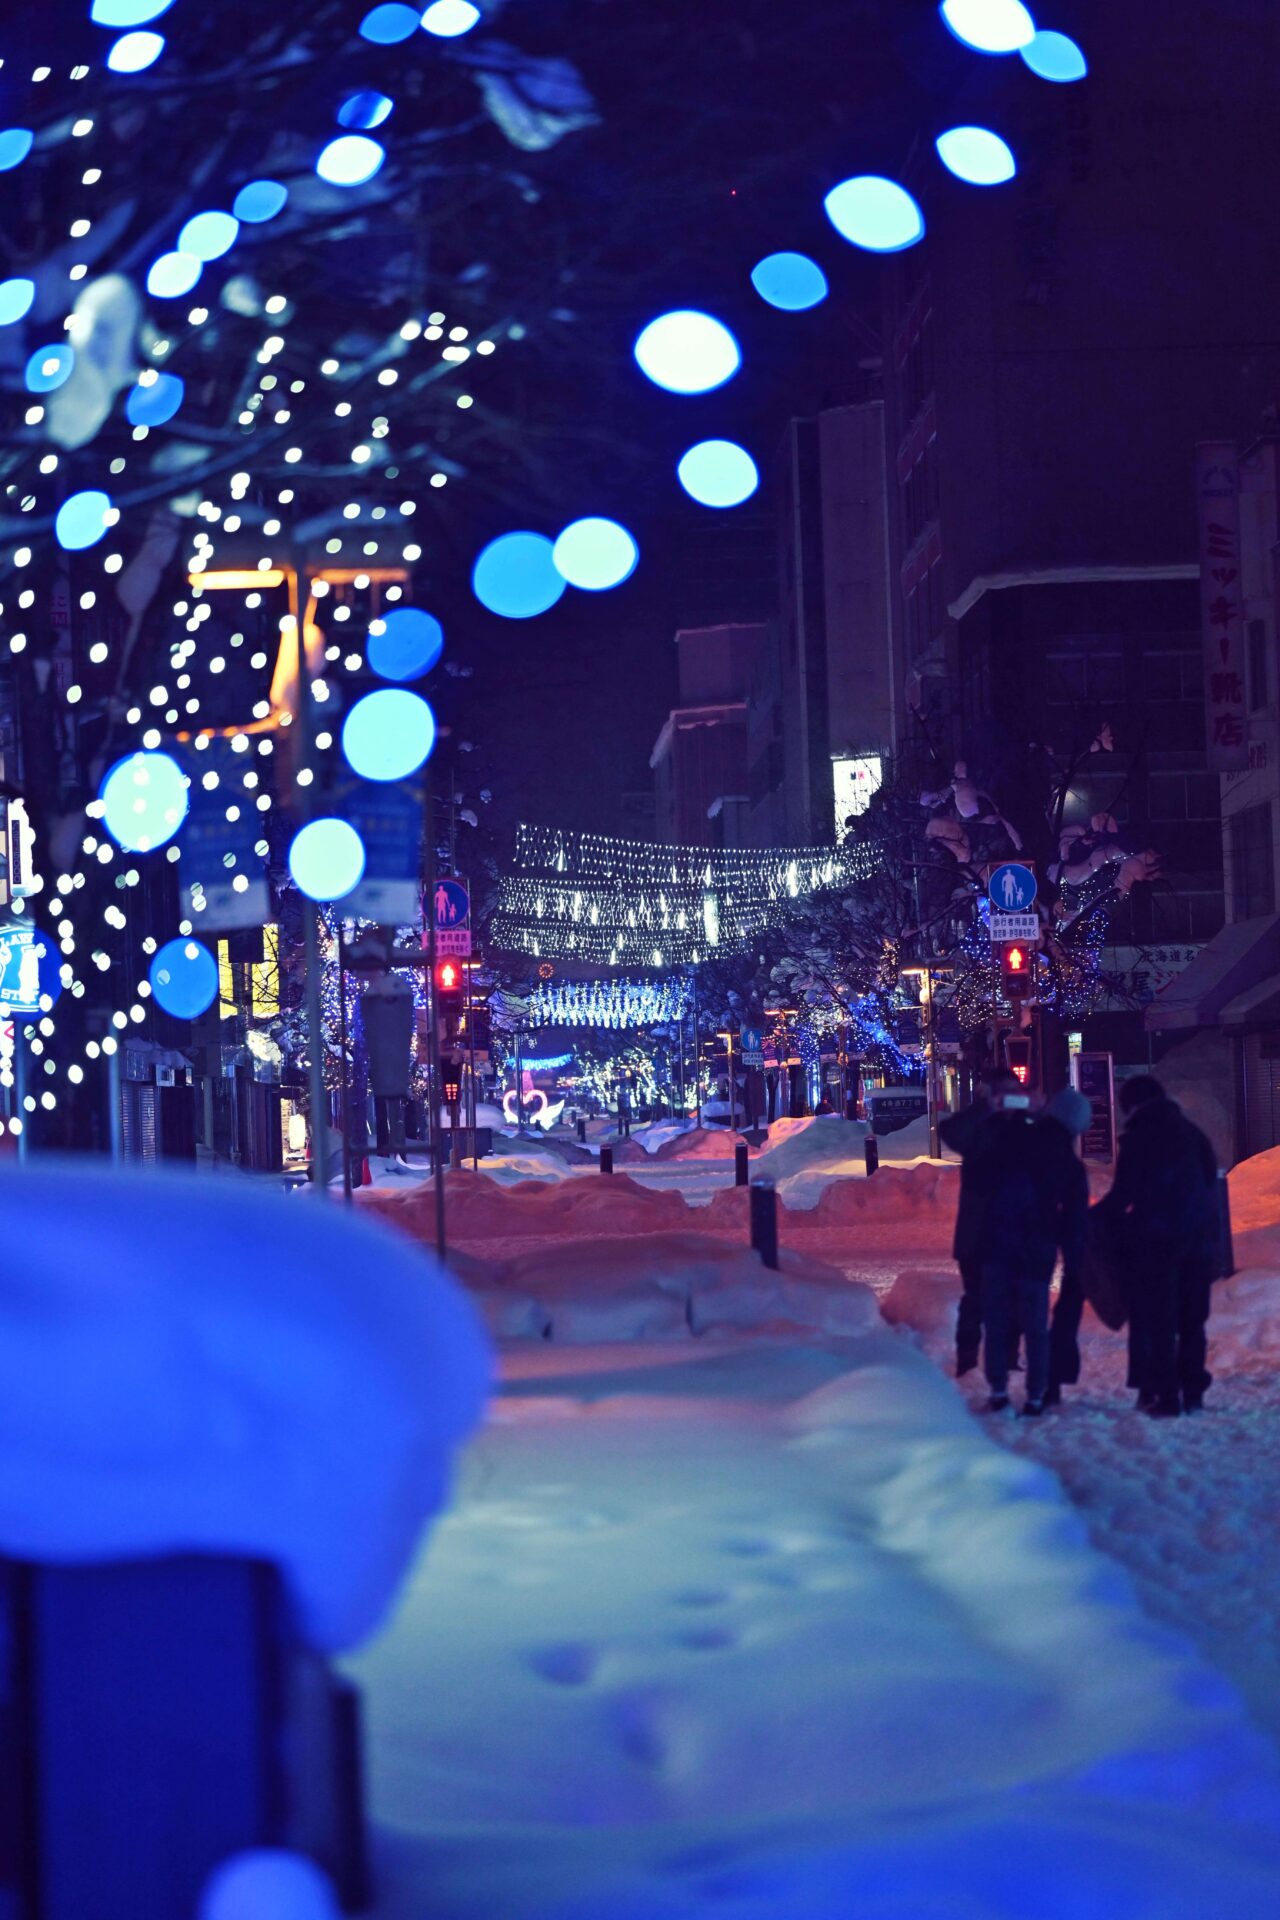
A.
x: 772, y: 1629
x: 668, y: 1286
x: 478, y: 1209
x: 197, y: 1365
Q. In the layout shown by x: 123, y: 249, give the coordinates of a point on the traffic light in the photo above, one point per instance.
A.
x: 1017, y: 1053
x: 450, y: 988
x: 1015, y: 967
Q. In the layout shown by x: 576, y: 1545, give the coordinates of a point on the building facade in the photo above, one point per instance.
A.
x: 699, y: 761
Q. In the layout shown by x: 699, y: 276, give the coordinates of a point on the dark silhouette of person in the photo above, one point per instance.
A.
x: 1034, y: 1200
x: 1166, y: 1213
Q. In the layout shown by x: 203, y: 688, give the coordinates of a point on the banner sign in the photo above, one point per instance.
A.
x: 1022, y: 927
x: 30, y: 970
x: 224, y: 876
x: 389, y: 820
x: 1222, y: 606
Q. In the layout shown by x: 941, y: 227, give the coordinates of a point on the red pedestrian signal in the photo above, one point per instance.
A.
x: 1015, y: 967
x: 1017, y: 1052
x: 448, y: 976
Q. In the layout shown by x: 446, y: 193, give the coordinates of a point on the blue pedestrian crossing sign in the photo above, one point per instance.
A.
x: 450, y: 904
x: 1012, y: 888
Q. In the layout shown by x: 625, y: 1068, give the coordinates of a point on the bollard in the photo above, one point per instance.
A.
x: 764, y: 1222
x: 582, y: 1132
x: 1227, y: 1251
x: 606, y: 1159
x: 871, y: 1149
x: 741, y: 1158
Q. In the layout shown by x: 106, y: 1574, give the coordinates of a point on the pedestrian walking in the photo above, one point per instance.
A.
x: 960, y: 1132
x: 1070, y: 1110
x: 1166, y: 1212
x: 1034, y: 1200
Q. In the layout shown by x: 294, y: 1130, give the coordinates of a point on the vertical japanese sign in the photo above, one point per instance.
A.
x: 1222, y: 606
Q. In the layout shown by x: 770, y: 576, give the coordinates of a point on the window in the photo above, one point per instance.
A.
x: 1253, y: 887
x: 1258, y: 689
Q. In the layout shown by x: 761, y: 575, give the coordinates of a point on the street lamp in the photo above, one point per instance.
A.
x: 924, y: 970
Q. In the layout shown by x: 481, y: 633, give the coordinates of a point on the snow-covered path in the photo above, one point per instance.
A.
x: 769, y: 1628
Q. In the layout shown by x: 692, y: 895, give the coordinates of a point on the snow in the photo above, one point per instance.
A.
x: 667, y: 1286
x: 764, y: 1626
x: 194, y: 1365
x: 268, y: 1885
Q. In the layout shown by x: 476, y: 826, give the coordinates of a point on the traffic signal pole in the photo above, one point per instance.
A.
x: 433, y: 1028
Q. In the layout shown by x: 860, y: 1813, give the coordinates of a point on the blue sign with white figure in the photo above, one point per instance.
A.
x: 1012, y: 888
x: 29, y: 970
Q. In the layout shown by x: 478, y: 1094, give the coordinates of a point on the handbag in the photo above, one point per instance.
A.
x: 1103, y: 1268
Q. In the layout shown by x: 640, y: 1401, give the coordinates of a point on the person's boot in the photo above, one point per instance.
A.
x: 1053, y: 1394
x: 966, y: 1361
x: 1032, y: 1407
x: 997, y: 1402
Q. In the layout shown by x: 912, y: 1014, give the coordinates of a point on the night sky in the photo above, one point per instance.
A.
x: 715, y: 149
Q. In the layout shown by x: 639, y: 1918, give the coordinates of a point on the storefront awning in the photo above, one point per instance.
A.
x: 1235, y: 964
x: 1260, y: 1007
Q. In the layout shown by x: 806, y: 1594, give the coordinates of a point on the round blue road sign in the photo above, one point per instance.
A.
x: 1012, y: 888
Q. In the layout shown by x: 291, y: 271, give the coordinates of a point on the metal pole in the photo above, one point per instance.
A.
x: 433, y: 1028
x: 315, y: 1040
x: 346, y: 1085
x: 471, y: 1058
x: 733, y: 1085
x: 519, y: 1091
x: 931, y: 1069
x: 115, y: 1093
x: 697, y: 1055
x: 20, y: 1090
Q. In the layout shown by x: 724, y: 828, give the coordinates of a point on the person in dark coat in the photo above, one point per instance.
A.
x: 1034, y: 1201
x: 1070, y: 1110
x: 1164, y: 1201
x: 960, y: 1131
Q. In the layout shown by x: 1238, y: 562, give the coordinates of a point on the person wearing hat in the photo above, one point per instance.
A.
x: 1070, y: 1110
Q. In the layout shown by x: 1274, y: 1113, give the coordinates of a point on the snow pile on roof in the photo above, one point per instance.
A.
x: 197, y: 1365
x: 668, y: 1286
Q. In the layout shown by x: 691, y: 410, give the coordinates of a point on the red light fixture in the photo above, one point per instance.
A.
x: 448, y: 976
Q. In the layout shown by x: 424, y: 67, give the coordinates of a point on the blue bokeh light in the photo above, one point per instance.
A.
x: 408, y: 646
x: 595, y: 554
x: 49, y: 367
x: 326, y: 858
x: 15, y: 299
x: 135, y: 52
x: 82, y: 520
x: 350, y: 160
x: 791, y: 281
x: 1055, y: 56
x: 687, y: 352
x: 449, y: 18
x: 992, y: 26
x: 387, y: 24
x: 127, y: 13
x: 364, y: 110
x: 516, y: 576
x: 259, y: 200
x: 388, y: 735
x: 977, y: 155
x: 173, y: 274
x: 15, y: 145
x: 144, y: 801
x: 874, y: 213
x: 718, y: 473
x: 151, y: 405
x: 184, y: 978
x: 209, y: 235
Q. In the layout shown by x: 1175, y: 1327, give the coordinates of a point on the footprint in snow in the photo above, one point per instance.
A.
x: 567, y: 1663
